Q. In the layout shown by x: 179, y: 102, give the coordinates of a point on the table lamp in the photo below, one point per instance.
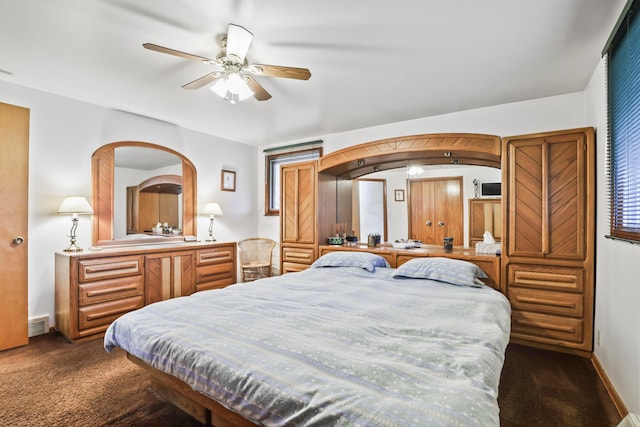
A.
x: 74, y: 205
x: 211, y: 209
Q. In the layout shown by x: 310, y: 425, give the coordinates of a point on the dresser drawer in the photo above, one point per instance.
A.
x: 292, y: 267
x: 103, y: 314
x: 222, y: 254
x: 215, y: 272
x: 107, y: 290
x: 546, y: 327
x: 298, y: 255
x: 108, y: 268
x: 543, y: 301
x: 546, y: 277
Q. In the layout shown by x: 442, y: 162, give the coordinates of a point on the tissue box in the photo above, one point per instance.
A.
x: 487, y: 248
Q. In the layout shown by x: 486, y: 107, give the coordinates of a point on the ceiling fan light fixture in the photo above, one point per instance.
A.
x: 232, y: 87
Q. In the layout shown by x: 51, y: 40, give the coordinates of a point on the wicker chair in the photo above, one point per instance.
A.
x: 255, y: 258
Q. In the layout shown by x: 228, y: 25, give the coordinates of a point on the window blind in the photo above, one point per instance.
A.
x: 623, y: 144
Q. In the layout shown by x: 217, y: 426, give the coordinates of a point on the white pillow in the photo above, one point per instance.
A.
x: 454, y: 271
x: 365, y: 260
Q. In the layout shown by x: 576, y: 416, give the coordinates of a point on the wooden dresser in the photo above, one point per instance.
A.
x: 95, y: 287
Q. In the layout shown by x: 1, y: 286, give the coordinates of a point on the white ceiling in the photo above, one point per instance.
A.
x: 372, y: 62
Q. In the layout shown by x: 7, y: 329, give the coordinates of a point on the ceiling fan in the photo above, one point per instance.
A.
x: 234, y: 79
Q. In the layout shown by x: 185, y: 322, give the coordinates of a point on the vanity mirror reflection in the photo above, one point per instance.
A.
x: 406, y: 218
x: 462, y: 156
x: 141, y: 165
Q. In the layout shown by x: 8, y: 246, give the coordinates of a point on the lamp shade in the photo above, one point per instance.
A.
x: 75, y: 205
x: 212, y: 209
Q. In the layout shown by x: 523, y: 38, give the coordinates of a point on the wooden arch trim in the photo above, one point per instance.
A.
x: 102, y: 173
x: 155, y: 181
x: 444, y: 148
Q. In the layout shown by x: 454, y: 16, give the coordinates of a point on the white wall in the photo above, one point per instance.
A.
x: 64, y: 134
x: 617, y: 317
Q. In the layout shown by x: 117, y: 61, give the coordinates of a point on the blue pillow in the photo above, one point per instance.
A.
x: 365, y: 260
x: 454, y: 271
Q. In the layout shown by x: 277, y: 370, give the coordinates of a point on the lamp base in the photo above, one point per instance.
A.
x: 210, y: 239
x: 73, y: 248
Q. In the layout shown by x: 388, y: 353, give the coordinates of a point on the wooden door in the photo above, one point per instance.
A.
x: 298, y: 210
x: 436, y: 210
x: 547, y: 197
x: 169, y: 276
x: 14, y: 190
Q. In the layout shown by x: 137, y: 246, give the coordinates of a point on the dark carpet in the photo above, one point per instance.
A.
x: 53, y: 383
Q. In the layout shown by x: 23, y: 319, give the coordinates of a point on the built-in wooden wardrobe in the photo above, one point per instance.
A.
x: 547, y: 232
x: 308, y: 212
x: 548, y: 258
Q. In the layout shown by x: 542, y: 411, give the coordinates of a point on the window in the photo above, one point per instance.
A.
x: 272, y: 167
x: 623, y: 145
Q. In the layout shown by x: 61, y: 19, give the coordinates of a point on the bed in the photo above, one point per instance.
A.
x: 347, y: 342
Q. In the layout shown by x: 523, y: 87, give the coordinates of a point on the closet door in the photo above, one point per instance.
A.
x: 14, y: 176
x: 547, y: 197
x: 436, y: 210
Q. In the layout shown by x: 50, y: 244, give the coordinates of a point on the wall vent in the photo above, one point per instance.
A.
x: 38, y: 326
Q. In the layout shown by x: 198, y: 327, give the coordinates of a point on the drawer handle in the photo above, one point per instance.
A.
x: 546, y: 302
x: 219, y: 273
x: 99, y: 269
x: 108, y: 313
x: 567, y: 329
x: 218, y: 255
x: 294, y: 256
x: 111, y: 290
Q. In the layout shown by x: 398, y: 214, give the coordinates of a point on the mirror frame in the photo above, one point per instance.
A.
x: 102, y: 175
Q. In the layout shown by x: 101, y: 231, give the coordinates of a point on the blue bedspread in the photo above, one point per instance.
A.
x: 332, y: 346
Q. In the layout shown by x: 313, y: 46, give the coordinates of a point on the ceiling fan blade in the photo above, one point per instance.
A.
x: 259, y: 92
x: 280, y: 71
x: 238, y: 41
x: 174, y: 52
x: 202, y: 81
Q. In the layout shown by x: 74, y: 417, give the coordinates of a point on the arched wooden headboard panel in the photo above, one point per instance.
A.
x: 444, y: 148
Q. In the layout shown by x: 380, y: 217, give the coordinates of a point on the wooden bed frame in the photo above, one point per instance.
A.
x: 199, y: 406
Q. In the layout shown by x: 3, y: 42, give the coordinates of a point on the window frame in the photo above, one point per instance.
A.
x: 623, y: 119
x: 285, y: 157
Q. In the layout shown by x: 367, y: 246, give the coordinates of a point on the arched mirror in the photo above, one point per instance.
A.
x: 121, y: 172
x: 459, y: 157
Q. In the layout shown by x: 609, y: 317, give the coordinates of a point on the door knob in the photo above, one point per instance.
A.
x: 428, y: 223
x: 440, y: 223
x: 18, y: 240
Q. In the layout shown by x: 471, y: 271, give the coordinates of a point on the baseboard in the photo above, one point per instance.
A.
x: 611, y: 390
x: 631, y: 420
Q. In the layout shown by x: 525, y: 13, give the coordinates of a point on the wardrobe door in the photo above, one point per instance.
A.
x: 14, y: 174
x: 436, y: 210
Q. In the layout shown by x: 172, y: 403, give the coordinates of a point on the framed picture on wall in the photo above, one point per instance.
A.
x: 228, y: 180
x: 398, y: 195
